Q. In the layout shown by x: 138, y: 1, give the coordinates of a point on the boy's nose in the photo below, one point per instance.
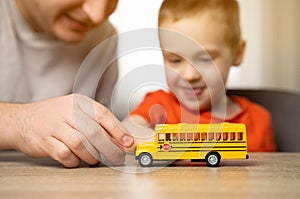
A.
x: 190, y: 73
x: 99, y: 10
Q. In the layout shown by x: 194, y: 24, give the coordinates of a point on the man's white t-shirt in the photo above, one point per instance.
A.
x: 34, y: 66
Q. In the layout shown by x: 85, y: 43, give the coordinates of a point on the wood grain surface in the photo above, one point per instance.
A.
x: 264, y: 175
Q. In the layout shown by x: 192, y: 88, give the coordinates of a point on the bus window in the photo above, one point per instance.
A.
x: 210, y: 136
x: 240, y: 136
x: 218, y: 136
x: 168, y: 136
x: 175, y: 136
x: 182, y: 136
x: 196, y: 136
x: 203, y: 136
x: 232, y: 136
x: 161, y: 137
x: 225, y: 136
x: 189, y: 136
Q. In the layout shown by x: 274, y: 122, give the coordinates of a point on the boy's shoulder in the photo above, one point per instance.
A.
x: 251, y: 108
x: 159, y: 94
x: 161, y: 97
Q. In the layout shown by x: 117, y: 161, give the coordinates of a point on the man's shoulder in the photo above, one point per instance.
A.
x: 5, y: 9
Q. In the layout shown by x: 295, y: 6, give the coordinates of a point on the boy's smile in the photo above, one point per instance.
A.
x: 193, y: 92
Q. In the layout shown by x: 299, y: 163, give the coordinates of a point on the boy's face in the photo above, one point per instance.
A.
x: 198, y: 63
x: 68, y: 20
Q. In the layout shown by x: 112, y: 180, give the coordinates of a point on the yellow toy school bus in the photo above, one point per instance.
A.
x: 196, y: 142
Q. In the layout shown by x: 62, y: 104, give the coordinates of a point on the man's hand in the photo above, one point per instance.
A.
x: 68, y: 129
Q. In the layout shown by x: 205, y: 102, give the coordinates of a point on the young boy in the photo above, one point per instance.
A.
x: 201, y: 40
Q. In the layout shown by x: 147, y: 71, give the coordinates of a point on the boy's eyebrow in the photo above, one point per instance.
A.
x: 168, y: 53
x: 212, y: 53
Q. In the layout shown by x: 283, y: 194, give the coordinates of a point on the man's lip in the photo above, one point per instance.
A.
x: 76, y: 24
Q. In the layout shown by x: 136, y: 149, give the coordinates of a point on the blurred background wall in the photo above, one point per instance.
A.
x: 272, y: 60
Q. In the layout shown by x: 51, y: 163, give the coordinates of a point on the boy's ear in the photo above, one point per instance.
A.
x: 239, y: 53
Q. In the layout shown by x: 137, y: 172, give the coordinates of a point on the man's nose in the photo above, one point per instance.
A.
x: 99, y: 10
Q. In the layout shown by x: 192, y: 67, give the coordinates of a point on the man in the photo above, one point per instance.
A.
x: 43, y: 43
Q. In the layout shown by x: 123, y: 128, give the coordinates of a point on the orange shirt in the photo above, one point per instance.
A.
x: 162, y: 107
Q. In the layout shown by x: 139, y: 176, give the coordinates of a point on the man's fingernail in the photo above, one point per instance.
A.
x: 127, y: 140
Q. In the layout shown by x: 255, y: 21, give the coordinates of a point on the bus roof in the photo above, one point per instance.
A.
x: 185, y: 127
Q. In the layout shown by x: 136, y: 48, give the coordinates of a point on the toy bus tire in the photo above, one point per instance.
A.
x: 145, y: 159
x: 213, y: 159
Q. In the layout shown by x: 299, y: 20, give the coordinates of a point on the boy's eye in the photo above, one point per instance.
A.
x: 175, y: 60
x: 206, y: 59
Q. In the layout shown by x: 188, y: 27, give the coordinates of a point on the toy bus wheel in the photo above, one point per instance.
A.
x: 212, y: 159
x: 145, y: 159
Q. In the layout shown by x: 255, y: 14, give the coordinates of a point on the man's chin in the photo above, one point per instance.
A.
x: 70, y: 37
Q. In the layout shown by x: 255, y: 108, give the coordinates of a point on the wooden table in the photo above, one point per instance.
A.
x: 264, y: 175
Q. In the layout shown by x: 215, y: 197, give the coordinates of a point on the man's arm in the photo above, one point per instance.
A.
x: 68, y: 129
